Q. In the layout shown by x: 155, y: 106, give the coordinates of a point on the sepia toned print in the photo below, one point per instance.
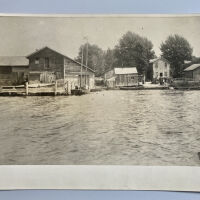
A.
x: 100, y: 90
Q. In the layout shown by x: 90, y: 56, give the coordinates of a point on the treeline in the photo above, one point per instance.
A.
x: 134, y: 50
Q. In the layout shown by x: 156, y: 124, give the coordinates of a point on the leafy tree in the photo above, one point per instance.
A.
x: 176, y: 49
x: 134, y: 51
x: 109, y: 59
x: 95, y: 57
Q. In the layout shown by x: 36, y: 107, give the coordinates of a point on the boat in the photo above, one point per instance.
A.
x: 138, y: 87
x: 79, y: 92
x: 144, y: 87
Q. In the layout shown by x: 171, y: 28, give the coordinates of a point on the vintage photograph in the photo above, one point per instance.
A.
x: 100, y: 90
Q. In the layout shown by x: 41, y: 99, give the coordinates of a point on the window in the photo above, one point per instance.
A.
x: 165, y: 64
x: 165, y: 74
x: 46, y: 62
x: 156, y: 65
x: 37, y: 61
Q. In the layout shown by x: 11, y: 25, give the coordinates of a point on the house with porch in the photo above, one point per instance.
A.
x: 118, y: 77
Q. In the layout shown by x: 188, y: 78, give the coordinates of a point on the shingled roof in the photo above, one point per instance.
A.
x: 126, y: 70
x: 192, y: 67
x: 13, y: 61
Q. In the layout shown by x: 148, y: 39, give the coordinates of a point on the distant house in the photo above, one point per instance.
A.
x: 193, y: 72
x: 47, y: 65
x: 13, y: 70
x: 160, y: 68
x: 121, y: 77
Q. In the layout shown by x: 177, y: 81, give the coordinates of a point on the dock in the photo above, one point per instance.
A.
x: 33, y: 90
x: 41, y: 89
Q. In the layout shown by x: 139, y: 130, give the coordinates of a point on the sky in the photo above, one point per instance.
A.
x: 22, y: 35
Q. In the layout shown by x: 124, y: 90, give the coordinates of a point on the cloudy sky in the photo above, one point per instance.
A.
x: 22, y: 35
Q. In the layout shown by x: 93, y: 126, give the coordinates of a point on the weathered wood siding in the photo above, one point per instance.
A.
x: 11, y: 75
x: 56, y: 62
x: 193, y: 74
x: 109, y: 74
x: 59, y: 67
x: 188, y: 74
x: 116, y: 80
x: 5, y: 69
x: 126, y: 79
x: 196, y: 74
x: 20, y: 69
x: 73, y: 75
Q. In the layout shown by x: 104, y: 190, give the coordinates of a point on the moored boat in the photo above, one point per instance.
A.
x: 138, y: 87
x: 79, y: 92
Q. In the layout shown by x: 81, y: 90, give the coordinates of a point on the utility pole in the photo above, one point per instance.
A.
x: 86, y: 59
x: 64, y: 72
x: 81, y: 66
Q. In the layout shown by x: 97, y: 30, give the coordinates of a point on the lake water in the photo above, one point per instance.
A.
x: 146, y: 127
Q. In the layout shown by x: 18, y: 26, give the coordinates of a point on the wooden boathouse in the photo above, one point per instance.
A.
x: 50, y: 71
x: 192, y: 72
x: 118, y: 77
x: 13, y: 70
x: 47, y: 65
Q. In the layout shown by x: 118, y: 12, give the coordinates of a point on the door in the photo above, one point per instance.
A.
x: 46, y: 63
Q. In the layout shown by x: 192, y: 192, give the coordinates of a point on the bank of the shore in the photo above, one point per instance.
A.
x: 54, y: 90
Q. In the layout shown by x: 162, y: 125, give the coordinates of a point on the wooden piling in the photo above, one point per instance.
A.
x: 55, y: 88
x: 68, y: 89
x: 26, y: 85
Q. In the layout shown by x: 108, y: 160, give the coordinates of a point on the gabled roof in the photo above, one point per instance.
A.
x: 192, y: 67
x: 39, y: 50
x: 126, y: 70
x: 13, y: 61
x: 156, y: 59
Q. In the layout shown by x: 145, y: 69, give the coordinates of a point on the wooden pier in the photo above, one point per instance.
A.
x: 33, y: 90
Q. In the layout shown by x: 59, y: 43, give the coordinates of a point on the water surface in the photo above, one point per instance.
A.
x: 109, y: 127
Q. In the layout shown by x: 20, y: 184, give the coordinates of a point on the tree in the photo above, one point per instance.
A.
x: 109, y: 59
x: 95, y: 57
x: 176, y: 49
x: 134, y: 51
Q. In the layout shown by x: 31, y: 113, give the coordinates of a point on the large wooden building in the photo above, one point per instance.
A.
x: 193, y: 72
x: 47, y: 65
x: 118, y: 77
x: 13, y: 70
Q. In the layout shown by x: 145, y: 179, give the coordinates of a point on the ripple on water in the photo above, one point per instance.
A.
x: 110, y: 127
